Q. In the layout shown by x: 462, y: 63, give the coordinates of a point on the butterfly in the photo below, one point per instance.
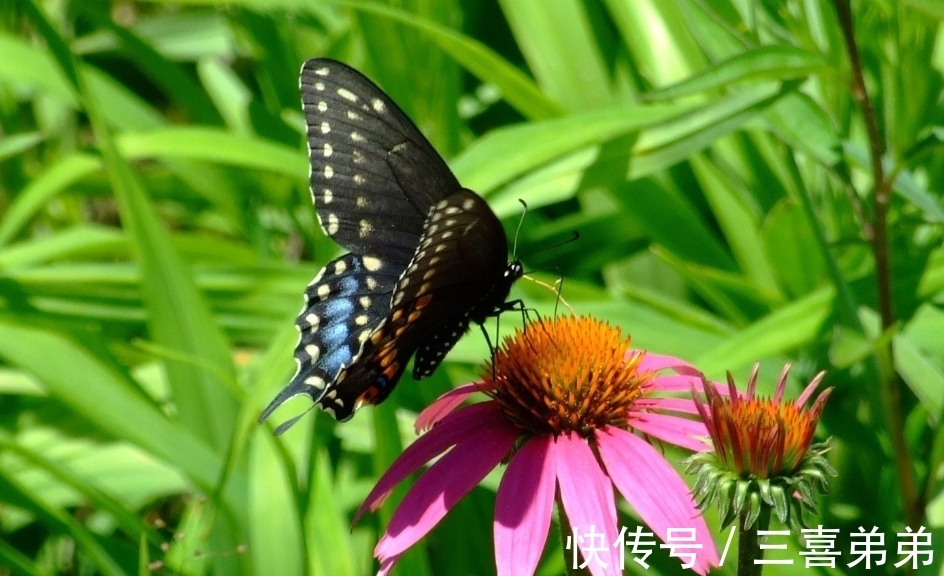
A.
x: 426, y: 256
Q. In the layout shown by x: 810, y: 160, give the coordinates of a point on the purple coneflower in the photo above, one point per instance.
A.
x: 763, y: 451
x: 571, y: 410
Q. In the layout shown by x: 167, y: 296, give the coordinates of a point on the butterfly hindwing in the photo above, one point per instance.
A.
x: 344, y: 305
x: 455, y: 277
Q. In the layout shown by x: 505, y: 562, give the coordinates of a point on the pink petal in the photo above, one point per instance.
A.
x: 453, y: 429
x: 588, y: 500
x: 672, y: 429
x: 655, y: 362
x: 440, y: 487
x: 683, y: 405
x: 654, y: 489
x: 523, y: 507
x: 676, y: 383
x: 387, y: 565
x: 442, y: 406
x: 808, y: 391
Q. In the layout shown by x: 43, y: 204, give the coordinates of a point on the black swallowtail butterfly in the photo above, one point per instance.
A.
x: 427, y: 257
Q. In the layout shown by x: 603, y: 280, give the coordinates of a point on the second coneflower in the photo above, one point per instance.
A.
x: 763, y: 452
x: 571, y: 410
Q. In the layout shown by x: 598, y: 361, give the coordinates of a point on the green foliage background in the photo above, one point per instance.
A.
x: 156, y: 234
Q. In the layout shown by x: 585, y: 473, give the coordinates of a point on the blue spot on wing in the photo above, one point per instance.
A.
x: 338, y: 310
x: 335, y: 334
x: 349, y: 285
x: 336, y: 359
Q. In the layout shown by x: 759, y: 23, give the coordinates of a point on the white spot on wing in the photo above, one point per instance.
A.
x: 322, y: 106
x: 352, y: 115
x: 322, y: 71
x: 378, y: 105
x: 328, y: 150
x: 372, y: 263
x: 358, y: 179
x: 313, y: 352
x: 324, y: 291
x: 328, y: 172
x: 328, y: 196
x: 347, y: 94
x: 362, y: 201
x: 355, y: 136
x: 468, y: 204
x: 333, y: 224
x: 340, y: 266
x: 325, y: 128
x: 365, y: 228
x: 315, y: 382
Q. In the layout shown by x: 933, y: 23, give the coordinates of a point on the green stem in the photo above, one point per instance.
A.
x: 749, y: 542
x: 889, y: 382
x: 566, y: 531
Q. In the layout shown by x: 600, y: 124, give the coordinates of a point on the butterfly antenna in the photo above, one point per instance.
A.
x: 524, y: 212
x: 575, y: 235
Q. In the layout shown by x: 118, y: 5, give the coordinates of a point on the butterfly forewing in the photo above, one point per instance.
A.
x: 373, y: 174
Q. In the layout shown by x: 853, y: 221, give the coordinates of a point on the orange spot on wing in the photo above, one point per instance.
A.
x: 423, y: 302
x: 392, y: 370
x: 369, y: 396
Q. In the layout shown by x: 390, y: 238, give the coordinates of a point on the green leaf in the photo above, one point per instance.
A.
x: 77, y: 241
x: 55, y: 178
x: 516, y: 88
x: 214, y: 145
x: 804, y: 125
x: 789, y: 241
x: 739, y: 222
x: 572, y: 72
x: 777, y: 62
x: 18, y: 143
x: 930, y: 7
x: 779, y: 333
x: 503, y: 154
x: 106, y: 398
